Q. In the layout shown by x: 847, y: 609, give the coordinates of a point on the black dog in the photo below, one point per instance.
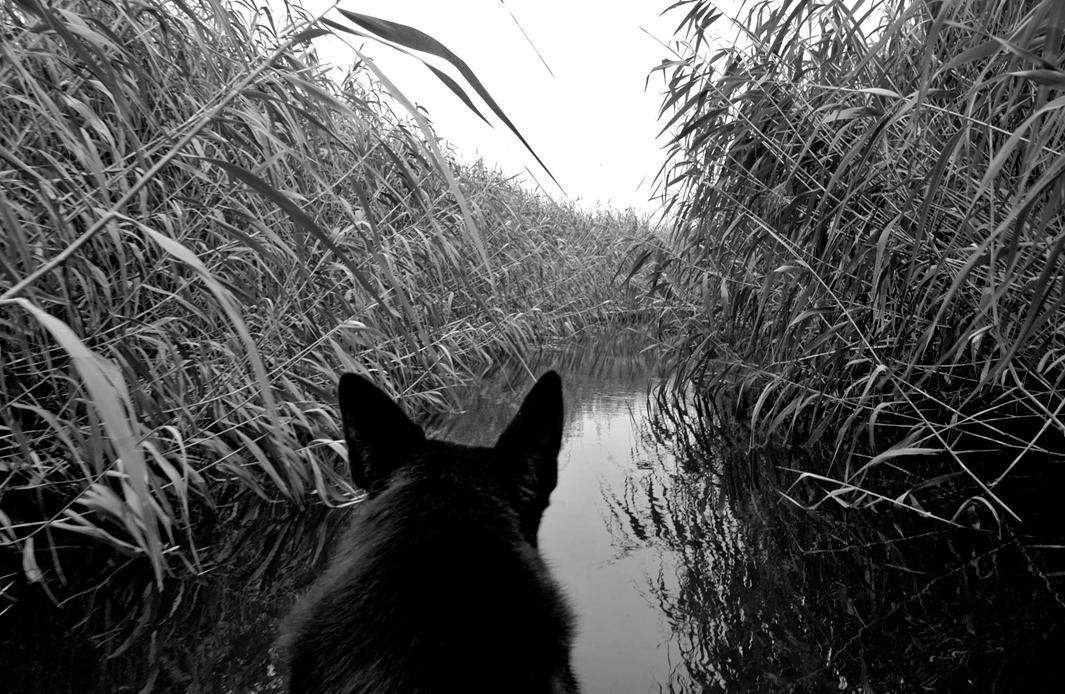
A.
x: 439, y: 586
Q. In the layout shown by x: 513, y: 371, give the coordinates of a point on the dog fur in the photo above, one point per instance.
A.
x: 439, y: 585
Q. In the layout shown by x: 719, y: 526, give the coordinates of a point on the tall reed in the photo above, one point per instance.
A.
x: 200, y: 231
x: 868, y: 242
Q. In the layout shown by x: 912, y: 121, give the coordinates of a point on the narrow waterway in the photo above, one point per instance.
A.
x: 687, y: 568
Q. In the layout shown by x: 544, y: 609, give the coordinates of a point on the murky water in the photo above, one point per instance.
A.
x: 687, y: 571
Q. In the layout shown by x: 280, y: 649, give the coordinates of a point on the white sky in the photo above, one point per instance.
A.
x: 592, y: 124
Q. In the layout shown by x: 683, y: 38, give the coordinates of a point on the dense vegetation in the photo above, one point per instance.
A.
x: 869, y: 237
x: 202, y: 226
x: 200, y: 231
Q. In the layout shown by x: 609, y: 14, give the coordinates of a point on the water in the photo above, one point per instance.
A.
x: 687, y: 570
x: 624, y: 640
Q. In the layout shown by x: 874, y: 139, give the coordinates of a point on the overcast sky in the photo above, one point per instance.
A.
x: 592, y: 123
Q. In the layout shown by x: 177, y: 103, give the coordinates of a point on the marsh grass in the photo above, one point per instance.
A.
x: 868, y: 241
x: 200, y: 231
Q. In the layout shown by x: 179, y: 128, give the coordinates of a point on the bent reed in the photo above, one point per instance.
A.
x: 201, y: 230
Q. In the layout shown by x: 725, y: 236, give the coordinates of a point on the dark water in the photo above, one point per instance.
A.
x: 624, y: 640
x: 687, y: 570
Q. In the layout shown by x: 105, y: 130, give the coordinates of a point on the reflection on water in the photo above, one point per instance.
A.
x: 773, y: 598
x: 687, y: 571
x: 209, y: 635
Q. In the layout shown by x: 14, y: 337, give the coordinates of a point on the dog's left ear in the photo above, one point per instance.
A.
x: 379, y: 434
x: 533, y: 438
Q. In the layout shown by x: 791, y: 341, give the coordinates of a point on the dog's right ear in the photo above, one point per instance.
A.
x: 379, y: 434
